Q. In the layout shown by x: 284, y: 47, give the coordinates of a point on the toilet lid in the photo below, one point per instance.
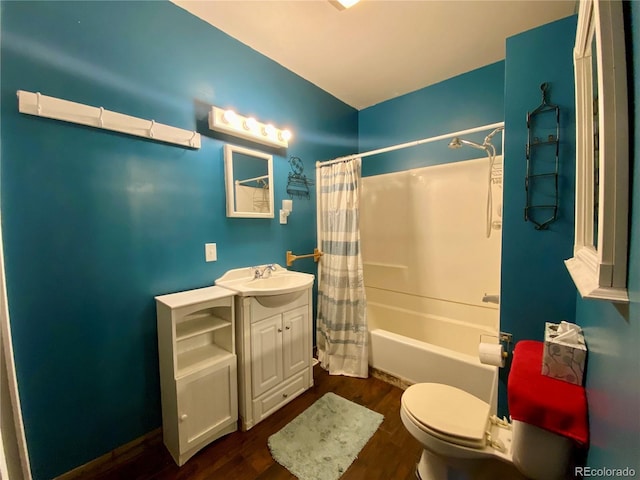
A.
x: 448, y: 410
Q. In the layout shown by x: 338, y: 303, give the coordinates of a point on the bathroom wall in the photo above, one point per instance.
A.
x: 469, y: 100
x: 536, y: 287
x: 95, y: 224
x: 612, y: 332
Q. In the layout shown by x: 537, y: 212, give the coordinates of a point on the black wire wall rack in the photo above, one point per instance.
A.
x: 543, y: 163
x: 297, y: 183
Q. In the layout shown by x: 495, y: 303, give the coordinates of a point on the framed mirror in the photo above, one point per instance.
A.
x: 248, y: 182
x: 599, y: 263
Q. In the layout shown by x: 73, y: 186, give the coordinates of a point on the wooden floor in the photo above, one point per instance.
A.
x: 390, y: 454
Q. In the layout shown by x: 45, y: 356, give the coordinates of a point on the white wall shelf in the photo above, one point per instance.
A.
x: 51, y: 107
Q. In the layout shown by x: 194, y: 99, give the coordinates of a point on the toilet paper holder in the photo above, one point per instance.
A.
x: 503, y: 337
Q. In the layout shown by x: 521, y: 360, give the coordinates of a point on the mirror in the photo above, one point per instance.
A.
x: 248, y: 182
x: 599, y: 263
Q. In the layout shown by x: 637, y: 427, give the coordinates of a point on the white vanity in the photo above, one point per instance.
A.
x: 273, y: 310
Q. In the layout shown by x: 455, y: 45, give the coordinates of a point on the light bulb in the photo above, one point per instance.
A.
x: 269, y: 130
x: 285, y: 135
x: 250, y: 123
x: 229, y: 116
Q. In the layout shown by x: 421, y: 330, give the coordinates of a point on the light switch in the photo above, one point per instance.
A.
x: 210, y: 252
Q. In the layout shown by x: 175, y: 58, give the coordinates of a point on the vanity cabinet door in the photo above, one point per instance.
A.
x: 296, y: 340
x: 266, y: 354
x: 207, y: 403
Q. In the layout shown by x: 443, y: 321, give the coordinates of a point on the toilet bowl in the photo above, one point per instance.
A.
x: 461, y: 439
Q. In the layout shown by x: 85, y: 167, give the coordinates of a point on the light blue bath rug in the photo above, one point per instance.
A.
x: 321, y: 442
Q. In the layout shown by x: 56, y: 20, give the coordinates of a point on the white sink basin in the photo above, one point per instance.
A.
x: 278, y: 282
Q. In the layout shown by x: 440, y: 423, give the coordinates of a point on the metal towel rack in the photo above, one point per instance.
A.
x: 292, y: 258
x: 543, y: 147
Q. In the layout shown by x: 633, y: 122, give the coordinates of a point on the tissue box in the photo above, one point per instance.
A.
x: 561, y: 360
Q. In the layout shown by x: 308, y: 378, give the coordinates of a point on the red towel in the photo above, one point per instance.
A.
x: 545, y: 402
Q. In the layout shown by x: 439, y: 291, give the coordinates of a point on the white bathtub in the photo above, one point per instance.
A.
x: 405, y: 355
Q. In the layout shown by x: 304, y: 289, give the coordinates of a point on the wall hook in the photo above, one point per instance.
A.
x: 543, y: 88
x: 153, y: 122
x: 193, y: 137
x: 38, y: 105
x: 100, y: 119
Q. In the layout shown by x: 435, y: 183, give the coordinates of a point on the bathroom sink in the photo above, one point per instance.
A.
x: 280, y: 281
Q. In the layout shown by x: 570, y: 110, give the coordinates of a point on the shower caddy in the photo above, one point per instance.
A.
x: 541, y: 180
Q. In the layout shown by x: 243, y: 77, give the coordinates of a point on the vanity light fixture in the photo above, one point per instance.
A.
x: 232, y: 123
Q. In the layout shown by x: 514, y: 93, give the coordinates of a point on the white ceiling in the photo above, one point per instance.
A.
x: 378, y: 49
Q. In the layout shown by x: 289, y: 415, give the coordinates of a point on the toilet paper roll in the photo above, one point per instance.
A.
x: 491, y: 354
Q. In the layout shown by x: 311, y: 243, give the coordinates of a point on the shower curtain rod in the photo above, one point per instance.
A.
x: 411, y: 144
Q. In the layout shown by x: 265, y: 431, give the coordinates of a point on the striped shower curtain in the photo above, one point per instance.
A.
x: 342, y: 337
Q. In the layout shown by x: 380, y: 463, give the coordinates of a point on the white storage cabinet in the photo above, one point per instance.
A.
x: 274, y: 349
x: 198, y: 368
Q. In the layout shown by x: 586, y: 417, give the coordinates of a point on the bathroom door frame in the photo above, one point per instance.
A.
x: 18, y: 441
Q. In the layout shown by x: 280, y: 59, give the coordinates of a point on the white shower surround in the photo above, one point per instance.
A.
x: 427, y: 266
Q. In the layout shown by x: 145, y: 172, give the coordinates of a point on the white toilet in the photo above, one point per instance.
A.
x: 462, y: 440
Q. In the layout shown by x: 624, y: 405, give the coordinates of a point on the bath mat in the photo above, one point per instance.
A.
x: 321, y: 442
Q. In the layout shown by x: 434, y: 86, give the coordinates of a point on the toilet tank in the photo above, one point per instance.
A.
x: 549, y: 416
x: 540, y: 454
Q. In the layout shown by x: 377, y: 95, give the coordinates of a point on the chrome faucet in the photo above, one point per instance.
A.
x: 265, y: 272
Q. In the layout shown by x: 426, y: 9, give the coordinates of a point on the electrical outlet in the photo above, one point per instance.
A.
x: 210, y: 252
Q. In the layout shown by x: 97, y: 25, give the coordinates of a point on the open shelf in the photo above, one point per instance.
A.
x: 198, y: 358
x: 197, y: 326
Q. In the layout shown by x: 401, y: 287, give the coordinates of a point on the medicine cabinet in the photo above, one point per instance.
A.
x: 599, y: 263
x: 248, y: 182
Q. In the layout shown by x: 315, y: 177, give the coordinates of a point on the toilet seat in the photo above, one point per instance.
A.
x: 448, y: 413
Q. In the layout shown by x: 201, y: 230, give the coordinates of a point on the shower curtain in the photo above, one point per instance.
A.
x: 342, y: 337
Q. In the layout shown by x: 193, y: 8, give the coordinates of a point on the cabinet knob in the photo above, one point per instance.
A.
x: 183, y: 417
x: 279, y: 330
x: 285, y: 395
x: 287, y: 327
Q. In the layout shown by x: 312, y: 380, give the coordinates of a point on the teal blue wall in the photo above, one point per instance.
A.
x: 535, y: 285
x: 470, y: 100
x: 96, y: 224
x: 613, y: 333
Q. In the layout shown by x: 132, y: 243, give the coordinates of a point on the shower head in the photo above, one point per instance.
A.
x: 487, y: 146
x: 457, y: 142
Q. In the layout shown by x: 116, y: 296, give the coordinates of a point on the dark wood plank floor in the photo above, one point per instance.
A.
x: 390, y: 454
